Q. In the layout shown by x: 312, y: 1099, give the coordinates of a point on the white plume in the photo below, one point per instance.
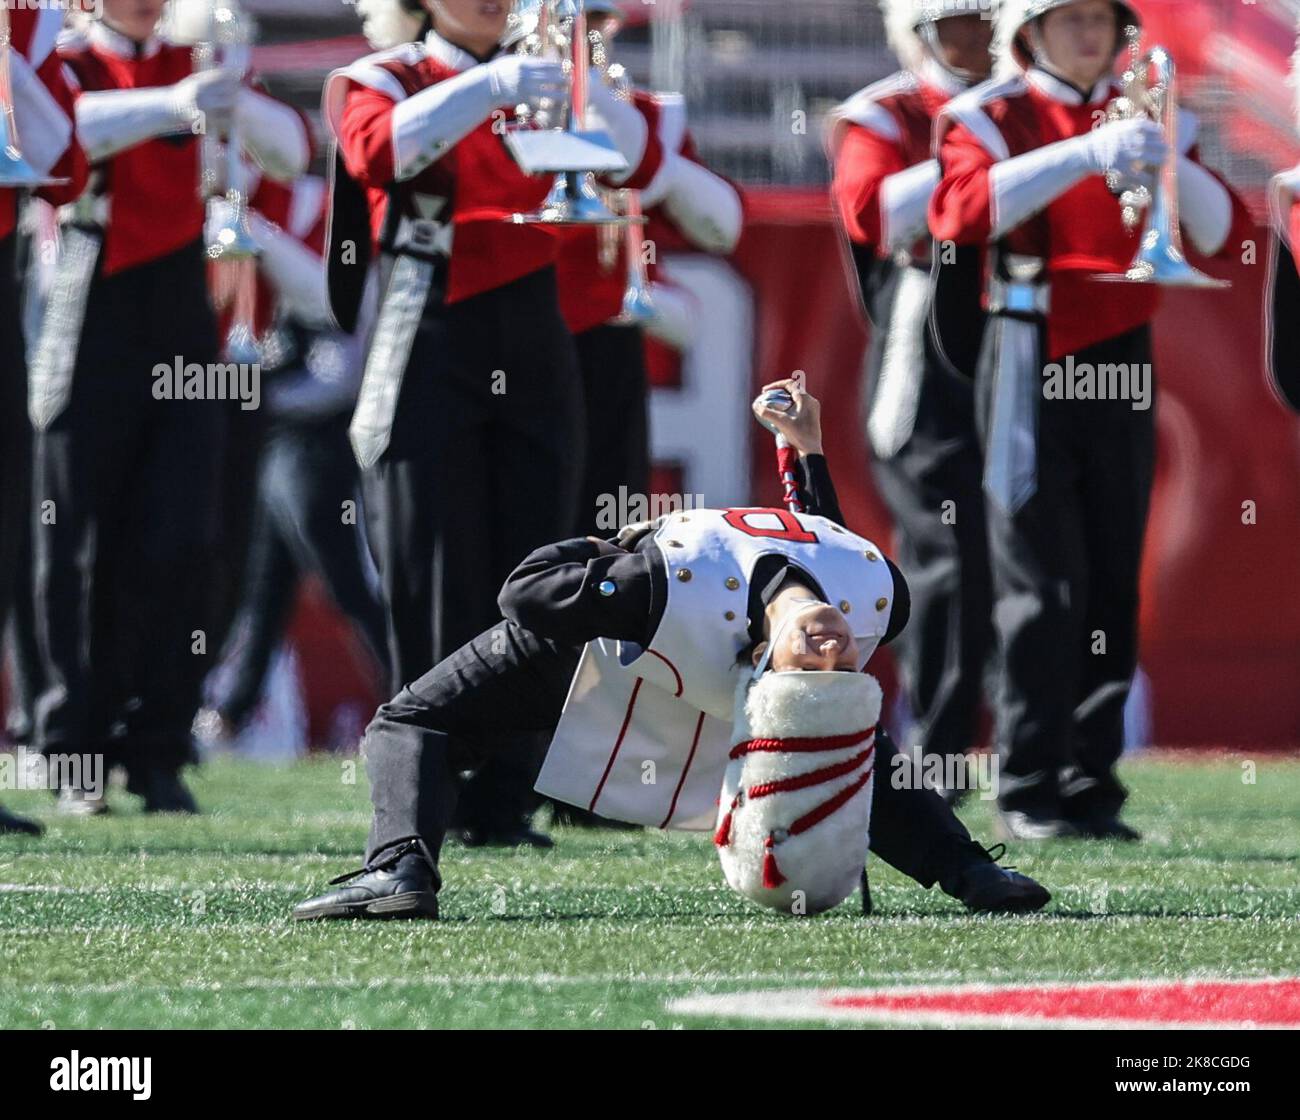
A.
x: 900, y: 32
x: 386, y: 23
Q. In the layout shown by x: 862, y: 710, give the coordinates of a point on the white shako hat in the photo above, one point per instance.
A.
x: 794, y: 814
x: 905, y: 20
x: 1013, y: 15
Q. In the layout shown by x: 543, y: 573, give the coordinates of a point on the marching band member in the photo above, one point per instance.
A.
x: 468, y: 426
x: 634, y: 655
x: 125, y: 475
x: 305, y: 473
x: 43, y: 114
x: 1282, y: 333
x: 921, y: 422
x: 687, y: 207
x: 1068, y: 480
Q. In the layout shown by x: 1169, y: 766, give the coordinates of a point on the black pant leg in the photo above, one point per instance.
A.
x: 912, y: 828
x: 933, y: 489
x: 314, y: 476
x: 616, y: 400
x: 504, y: 683
x: 1116, y: 499
x: 266, y: 599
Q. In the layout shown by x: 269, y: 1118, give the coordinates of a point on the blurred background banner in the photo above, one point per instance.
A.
x: 1220, y: 621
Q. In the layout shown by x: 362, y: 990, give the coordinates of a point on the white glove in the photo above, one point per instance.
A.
x: 273, y: 134
x: 1023, y: 186
x: 297, y: 273
x: 623, y: 123
x: 429, y: 123
x: 1204, y: 207
x: 515, y: 79
x: 110, y: 121
x: 210, y: 96
x: 904, y: 202
x: 1128, y: 147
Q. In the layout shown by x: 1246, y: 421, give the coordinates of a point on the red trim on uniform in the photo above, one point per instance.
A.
x: 618, y: 744
x: 695, y: 742
x: 670, y: 666
x: 825, y: 743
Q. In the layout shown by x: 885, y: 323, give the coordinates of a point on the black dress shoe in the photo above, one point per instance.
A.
x: 1014, y: 824
x: 15, y: 824
x: 400, y: 883
x: 985, y: 887
x: 1106, y: 828
x: 521, y: 837
x: 163, y: 791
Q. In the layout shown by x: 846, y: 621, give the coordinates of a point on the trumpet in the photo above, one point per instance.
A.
x: 15, y: 171
x: 226, y: 45
x: 1151, y: 89
x: 638, y: 305
x: 572, y: 152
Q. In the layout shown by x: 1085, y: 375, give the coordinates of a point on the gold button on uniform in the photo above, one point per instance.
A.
x: 674, y: 544
x: 732, y: 583
x: 845, y: 606
x: 881, y: 604
x: 871, y: 556
x: 684, y: 574
x: 730, y: 616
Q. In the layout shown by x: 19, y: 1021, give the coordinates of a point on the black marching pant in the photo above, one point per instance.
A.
x: 483, y: 466
x: 508, y: 680
x: 124, y: 494
x: 1065, y: 571
x: 612, y: 359
x: 305, y: 474
x: 15, y: 492
x: 933, y: 489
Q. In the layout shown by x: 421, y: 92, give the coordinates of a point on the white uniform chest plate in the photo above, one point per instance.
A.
x: 645, y: 733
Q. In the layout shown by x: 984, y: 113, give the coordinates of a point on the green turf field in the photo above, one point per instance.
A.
x: 132, y: 921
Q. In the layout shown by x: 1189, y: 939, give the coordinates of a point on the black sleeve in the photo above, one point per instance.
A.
x: 902, y: 608
x: 818, y: 494
x: 577, y: 590
x: 816, y: 489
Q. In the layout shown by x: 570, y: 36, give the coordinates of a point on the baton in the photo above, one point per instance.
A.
x: 786, y: 456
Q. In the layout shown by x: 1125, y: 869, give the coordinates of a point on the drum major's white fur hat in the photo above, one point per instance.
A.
x: 795, y: 809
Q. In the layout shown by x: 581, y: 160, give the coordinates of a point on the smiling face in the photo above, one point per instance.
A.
x: 817, y: 639
x: 476, y: 25
x: 135, y: 19
x: 1079, y: 40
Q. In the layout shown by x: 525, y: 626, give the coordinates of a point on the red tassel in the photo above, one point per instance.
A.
x: 722, y: 837
x: 772, y: 877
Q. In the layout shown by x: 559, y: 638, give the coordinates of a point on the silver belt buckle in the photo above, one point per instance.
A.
x: 420, y: 234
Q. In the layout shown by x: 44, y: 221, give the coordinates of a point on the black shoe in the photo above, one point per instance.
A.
x: 1106, y: 828
x: 985, y: 887
x: 521, y: 837
x: 9, y: 823
x: 1013, y: 824
x: 400, y: 883
x: 163, y: 791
